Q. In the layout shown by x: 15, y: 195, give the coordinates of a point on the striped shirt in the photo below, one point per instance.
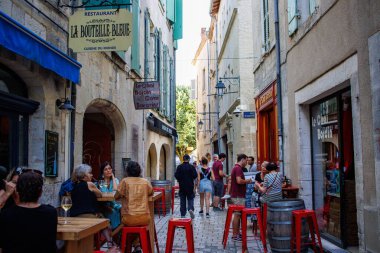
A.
x: 273, y: 184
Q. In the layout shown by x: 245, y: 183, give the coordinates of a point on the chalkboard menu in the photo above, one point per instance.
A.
x: 51, y: 154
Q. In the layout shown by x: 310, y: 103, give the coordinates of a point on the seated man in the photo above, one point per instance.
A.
x: 134, y: 192
x: 28, y: 226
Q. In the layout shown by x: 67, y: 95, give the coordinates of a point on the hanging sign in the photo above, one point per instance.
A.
x: 100, y: 30
x: 146, y: 95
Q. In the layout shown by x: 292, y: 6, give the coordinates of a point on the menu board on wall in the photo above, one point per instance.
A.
x: 51, y: 154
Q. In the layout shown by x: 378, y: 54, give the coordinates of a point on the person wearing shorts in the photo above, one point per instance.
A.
x: 218, y: 185
x: 238, y: 189
x: 205, y: 175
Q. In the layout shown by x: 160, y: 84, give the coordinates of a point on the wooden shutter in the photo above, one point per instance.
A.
x: 135, y: 56
x: 292, y: 16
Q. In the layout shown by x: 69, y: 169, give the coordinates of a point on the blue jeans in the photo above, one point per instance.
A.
x: 190, y: 202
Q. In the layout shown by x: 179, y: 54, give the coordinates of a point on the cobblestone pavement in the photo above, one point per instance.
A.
x: 208, y: 232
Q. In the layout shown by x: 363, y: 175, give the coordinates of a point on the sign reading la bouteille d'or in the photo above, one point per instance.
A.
x: 100, y: 30
x: 146, y: 95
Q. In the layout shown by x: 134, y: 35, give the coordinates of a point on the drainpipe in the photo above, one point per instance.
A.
x: 279, y: 93
x: 174, y: 113
x: 209, y: 91
x: 217, y: 76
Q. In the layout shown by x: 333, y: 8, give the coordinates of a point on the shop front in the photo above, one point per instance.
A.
x: 267, y: 139
x: 333, y: 172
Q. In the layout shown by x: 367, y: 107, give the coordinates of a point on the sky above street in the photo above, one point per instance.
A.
x: 195, y: 16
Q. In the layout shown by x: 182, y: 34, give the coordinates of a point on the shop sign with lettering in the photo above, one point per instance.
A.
x: 266, y: 98
x: 100, y: 30
x: 146, y: 95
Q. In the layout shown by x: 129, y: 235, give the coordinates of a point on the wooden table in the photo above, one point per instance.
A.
x: 79, y: 233
x: 156, y: 195
x: 107, y: 196
x: 290, y: 192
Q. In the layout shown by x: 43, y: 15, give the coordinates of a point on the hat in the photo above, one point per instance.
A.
x: 186, y: 157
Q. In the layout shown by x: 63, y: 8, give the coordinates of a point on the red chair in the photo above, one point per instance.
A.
x: 181, y: 223
x: 99, y: 251
x: 231, y: 210
x: 174, y: 188
x: 143, y: 232
x: 163, y: 204
x: 311, y: 218
x: 257, y: 212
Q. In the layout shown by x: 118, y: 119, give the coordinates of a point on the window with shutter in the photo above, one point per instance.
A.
x: 146, y: 43
x: 170, y: 10
x: 266, y: 43
x: 312, y: 6
x: 292, y: 16
x: 135, y: 56
x: 178, y: 20
x: 165, y: 83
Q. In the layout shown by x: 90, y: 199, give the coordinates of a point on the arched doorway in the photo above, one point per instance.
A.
x: 98, y: 139
x: 15, y: 108
x: 104, y: 136
x: 151, y: 163
x: 164, y: 153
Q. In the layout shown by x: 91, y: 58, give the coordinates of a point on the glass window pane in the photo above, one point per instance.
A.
x: 326, y: 173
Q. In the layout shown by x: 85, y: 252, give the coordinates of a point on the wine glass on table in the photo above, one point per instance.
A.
x: 66, y: 204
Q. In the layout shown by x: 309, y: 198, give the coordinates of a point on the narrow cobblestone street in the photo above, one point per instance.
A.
x: 208, y: 232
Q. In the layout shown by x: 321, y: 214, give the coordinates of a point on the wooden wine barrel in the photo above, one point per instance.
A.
x: 167, y: 184
x: 279, y: 224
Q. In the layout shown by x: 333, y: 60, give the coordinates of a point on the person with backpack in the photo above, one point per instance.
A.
x: 205, y: 175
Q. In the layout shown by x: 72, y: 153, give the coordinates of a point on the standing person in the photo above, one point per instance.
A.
x: 6, y: 188
x: 185, y: 175
x: 271, y: 189
x: 205, y: 175
x: 252, y: 167
x: 28, y: 226
x: 134, y: 192
x: 217, y: 169
x: 238, y: 189
x: 111, y: 209
x: 259, y: 178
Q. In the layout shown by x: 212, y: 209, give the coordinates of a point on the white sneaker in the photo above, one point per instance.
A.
x: 227, y: 196
x: 192, y: 214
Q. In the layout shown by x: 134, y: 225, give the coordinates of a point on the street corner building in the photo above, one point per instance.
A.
x: 60, y: 107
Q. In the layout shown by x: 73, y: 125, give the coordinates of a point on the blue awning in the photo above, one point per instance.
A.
x: 22, y: 41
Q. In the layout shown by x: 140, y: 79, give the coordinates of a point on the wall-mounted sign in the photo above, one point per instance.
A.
x: 146, y: 95
x: 100, y: 30
x: 51, y: 154
x: 249, y: 115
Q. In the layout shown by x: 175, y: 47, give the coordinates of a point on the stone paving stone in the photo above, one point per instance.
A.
x: 208, y: 233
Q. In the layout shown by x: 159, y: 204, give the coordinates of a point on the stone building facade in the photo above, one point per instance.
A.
x: 230, y: 61
x: 104, y: 125
x: 330, y: 109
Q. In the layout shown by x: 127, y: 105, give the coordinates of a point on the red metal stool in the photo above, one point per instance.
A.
x: 298, y: 215
x: 143, y: 232
x: 264, y: 214
x: 257, y: 212
x: 163, y: 203
x: 182, y: 223
x: 223, y: 201
x: 230, y: 211
x: 175, y: 187
x: 155, y: 239
x: 99, y: 251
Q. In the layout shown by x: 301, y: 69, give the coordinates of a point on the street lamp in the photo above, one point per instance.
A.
x: 220, y: 88
x: 200, y: 123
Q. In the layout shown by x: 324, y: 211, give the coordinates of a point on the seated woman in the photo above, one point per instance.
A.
x: 271, y: 188
x: 84, y: 196
x: 28, y: 226
x: 111, y: 209
x: 134, y: 192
